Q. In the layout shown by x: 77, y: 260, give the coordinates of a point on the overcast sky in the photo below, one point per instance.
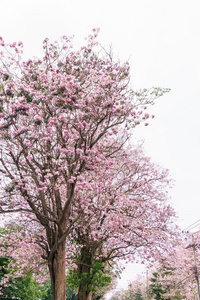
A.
x: 161, y: 40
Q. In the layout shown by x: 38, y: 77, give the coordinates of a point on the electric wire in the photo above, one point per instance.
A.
x: 194, y: 227
x: 180, y: 283
x: 188, y: 227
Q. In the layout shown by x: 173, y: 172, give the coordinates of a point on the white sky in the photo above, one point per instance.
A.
x: 161, y: 39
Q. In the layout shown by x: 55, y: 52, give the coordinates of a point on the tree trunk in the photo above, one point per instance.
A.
x: 84, y: 295
x: 57, y: 272
x: 84, y: 267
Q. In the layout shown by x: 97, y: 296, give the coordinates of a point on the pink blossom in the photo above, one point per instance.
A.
x: 72, y: 179
x: 37, y: 118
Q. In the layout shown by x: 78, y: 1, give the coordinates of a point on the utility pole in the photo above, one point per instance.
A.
x: 195, y: 266
x: 148, y: 286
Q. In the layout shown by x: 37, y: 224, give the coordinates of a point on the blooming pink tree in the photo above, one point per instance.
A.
x: 122, y: 214
x: 60, y: 117
x: 20, y: 246
x: 178, y: 273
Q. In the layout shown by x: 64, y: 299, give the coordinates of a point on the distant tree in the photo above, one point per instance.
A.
x: 12, y: 282
x: 138, y: 295
x: 157, y: 289
x: 115, y: 297
x: 136, y: 290
x: 120, y: 216
x: 20, y: 249
x: 60, y: 117
x: 24, y: 287
x: 176, y: 275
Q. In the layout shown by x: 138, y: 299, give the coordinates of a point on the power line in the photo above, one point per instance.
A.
x: 188, y: 228
x: 180, y: 283
x: 194, y: 227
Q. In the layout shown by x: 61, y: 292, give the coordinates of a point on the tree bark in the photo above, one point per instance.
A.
x: 84, y: 267
x: 57, y: 272
x: 84, y: 295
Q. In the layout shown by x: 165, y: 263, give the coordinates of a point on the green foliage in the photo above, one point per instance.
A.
x: 47, y: 292
x: 130, y: 294
x: 157, y: 289
x: 24, y: 287
x: 4, y: 261
x: 96, y: 277
x: 138, y: 295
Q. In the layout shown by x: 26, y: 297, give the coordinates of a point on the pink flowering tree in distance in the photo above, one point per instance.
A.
x: 178, y: 273
x: 122, y: 214
x: 61, y: 117
x: 20, y: 247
